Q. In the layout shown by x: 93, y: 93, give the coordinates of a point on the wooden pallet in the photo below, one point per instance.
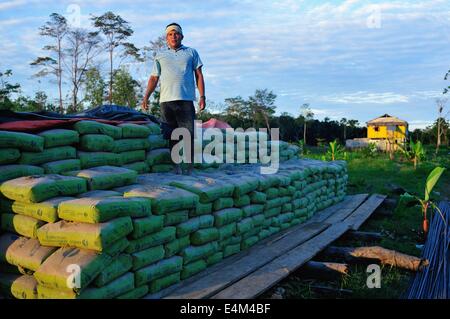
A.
x: 253, y: 271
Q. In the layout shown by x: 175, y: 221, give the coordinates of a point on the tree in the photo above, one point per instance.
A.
x: 307, y: 115
x: 82, y: 47
x: 124, y: 89
x: 439, y: 122
x: 56, y: 28
x: 6, y: 89
x: 344, y: 123
x: 262, y: 103
x: 94, y: 86
x: 148, y: 54
x: 116, y: 31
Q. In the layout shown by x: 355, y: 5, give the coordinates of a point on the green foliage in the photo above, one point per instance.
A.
x: 6, y: 89
x: 370, y: 150
x: 124, y: 89
x: 413, y: 152
x: 95, y: 88
x: 335, y: 150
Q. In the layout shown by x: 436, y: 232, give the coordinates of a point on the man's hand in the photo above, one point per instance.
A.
x: 202, y: 103
x: 145, y: 104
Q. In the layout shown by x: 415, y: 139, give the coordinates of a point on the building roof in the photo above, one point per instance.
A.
x: 386, y: 119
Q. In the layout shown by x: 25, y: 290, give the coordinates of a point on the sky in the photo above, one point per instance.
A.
x: 354, y: 59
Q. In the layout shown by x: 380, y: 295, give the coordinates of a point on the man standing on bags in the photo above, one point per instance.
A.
x: 176, y: 67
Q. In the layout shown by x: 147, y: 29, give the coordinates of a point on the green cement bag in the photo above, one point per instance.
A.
x: 119, y: 266
x: 193, y: 253
x: 159, y: 156
x: 22, y: 225
x: 8, y: 172
x: 146, y: 225
x: 139, y: 167
x: 93, y: 127
x: 242, y: 201
x: 22, y: 141
x: 132, y: 157
x: 157, y: 141
x: 175, y: 218
x: 158, y: 270
x: 117, y: 247
x: 164, y: 198
x: 208, y: 189
x: 258, y: 197
x: 155, y: 129
x: 106, y: 177
x: 62, y: 166
x: 59, y: 137
x: 193, y: 268
x: 130, y: 144
x: 251, y: 210
x: 244, y: 225
x: 227, y: 216
x: 247, y: 243
x: 48, y: 155
x: 174, y: 247
x: 214, y: 259
x: 231, y: 250
x: 58, y: 269
x: 96, y: 143
x: 46, y: 211
x: 164, y: 282
x: 136, y: 293
x: 201, y: 209
x: 147, y: 257
x: 227, y: 231
x: 99, y: 194
x: 95, y: 159
x: 28, y: 253
x: 9, y: 155
x: 99, y: 210
x: 130, y: 130
x: 82, y: 235
x: 164, y: 236
x: 203, y: 236
x: 162, y: 168
x: 117, y: 287
x: 35, y: 189
x: 224, y: 202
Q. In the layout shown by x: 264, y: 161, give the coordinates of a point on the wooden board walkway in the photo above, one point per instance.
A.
x: 253, y: 271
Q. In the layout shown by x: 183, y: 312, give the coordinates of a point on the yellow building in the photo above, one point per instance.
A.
x: 387, y: 127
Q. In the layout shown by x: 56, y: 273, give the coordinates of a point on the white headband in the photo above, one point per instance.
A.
x: 174, y: 27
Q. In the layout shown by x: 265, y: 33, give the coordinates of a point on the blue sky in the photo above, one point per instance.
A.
x: 353, y: 59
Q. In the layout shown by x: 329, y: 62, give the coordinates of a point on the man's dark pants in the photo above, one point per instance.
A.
x: 176, y: 114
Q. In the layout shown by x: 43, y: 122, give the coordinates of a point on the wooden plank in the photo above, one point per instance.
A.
x: 344, y: 212
x: 327, y: 212
x: 270, y: 274
x: 254, y: 259
x: 362, y: 213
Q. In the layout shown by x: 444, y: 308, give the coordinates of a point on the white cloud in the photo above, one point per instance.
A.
x: 363, y: 97
x: 11, y: 4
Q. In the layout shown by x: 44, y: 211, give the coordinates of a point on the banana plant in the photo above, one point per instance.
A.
x: 408, y: 200
x: 334, y: 149
x: 415, y: 152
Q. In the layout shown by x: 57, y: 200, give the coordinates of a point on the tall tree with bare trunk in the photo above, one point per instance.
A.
x: 56, y: 28
x: 116, y: 31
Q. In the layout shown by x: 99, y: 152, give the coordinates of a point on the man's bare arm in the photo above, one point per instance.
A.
x: 201, y: 87
x: 151, y: 85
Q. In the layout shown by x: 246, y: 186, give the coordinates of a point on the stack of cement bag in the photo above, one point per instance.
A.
x: 77, y: 247
x: 50, y: 152
x: 158, y: 156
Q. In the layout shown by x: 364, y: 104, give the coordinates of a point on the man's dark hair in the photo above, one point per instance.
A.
x: 174, y: 23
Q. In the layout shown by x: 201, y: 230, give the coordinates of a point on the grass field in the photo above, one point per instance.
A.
x: 401, y: 232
